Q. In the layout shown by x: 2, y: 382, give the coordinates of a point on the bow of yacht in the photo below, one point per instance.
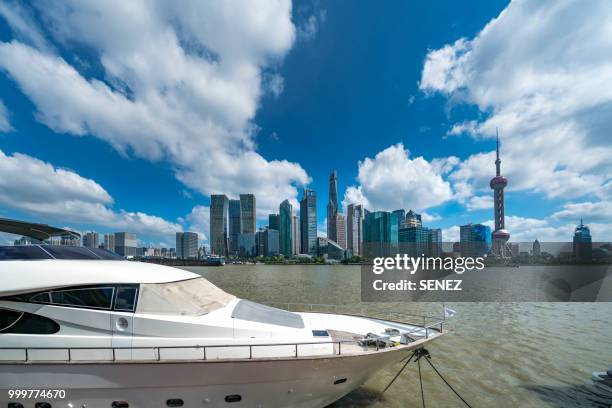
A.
x: 103, y: 332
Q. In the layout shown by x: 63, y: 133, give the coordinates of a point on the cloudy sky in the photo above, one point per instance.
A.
x: 127, y: 115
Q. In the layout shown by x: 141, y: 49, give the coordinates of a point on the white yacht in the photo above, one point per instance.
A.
x: 84, y: 328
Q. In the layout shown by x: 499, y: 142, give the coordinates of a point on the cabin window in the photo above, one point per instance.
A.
x: 16, y: 322
x: 99, y: 298
x: 126, y: 299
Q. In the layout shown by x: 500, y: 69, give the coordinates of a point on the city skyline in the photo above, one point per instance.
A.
x: 96, y: 141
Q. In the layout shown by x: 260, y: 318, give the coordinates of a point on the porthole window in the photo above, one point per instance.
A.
x: 15, y: 405
x: 42, y: 405
x: 120, y: 404
x: 15, y: 322
x: 233, y: 398
x: 174, y: 402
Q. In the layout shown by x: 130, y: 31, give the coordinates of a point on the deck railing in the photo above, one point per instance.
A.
x: 420, y: 332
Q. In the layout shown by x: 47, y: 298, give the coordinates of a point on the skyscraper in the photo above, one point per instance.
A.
x: 285, y: 228
x: 500, y: 236
x: 248, y: 213
x: 380, y: 234
x: 187, y: 245
x: 109, y: 242
x: 582, y: 243
x: 414, y: 241
x: 354, y: 228
x: 125, y: 244
x: 308, y: 219
x: 91, y: 240
x: 412, y: 220
x: 332, y: 207
x: 536, y: 248
x: 219, y: 205
x: 235, y: 226
x: 401, y: 217
x: 340, y: 230
x: 295, y: 235
x: 475, y: 239
x: 274, y: 222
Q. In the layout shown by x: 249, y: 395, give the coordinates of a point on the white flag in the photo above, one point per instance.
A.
x: 448, y: 312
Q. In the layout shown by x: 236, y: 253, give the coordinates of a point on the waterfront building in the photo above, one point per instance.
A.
x: 354, y: 228
x: 332, y: 207
x: 475, y: 240
x: 125, y: 244
x: 274, y: 222
x: 187, y: 245
x: 380, y: 234
x: 109, y: 242
x: 582, y: 243
x: 260, y: 248
x: 270, y: 242
x: 329, y: 249
x: 401, y: 217
x: 247, y: 247
x: 340, y: 230
x: 308, y: 219
x: 91, y: 240
x: 248, y: 213
x: 235, y: 225
x: 435, y: 242
x: 412, y: 220
x: 219, y: 206
x: 536, y: 249
x: 414, y: 241
x: 500, y: 236
x: 285, y: 228
x: 295, y: 235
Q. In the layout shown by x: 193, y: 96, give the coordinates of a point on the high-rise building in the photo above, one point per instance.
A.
x: 582, y: 243
x: 274, y: 221
x: 91, y: 240
x: 401, y: 217
x: 329, y: 249
x: 219, y: 205
x: 412, y: 220
x: 354, y: 228
x: 435, y: 242
x: 536, y: 248
x: 380, y: 234
x: 248, y: 213
x: 308, y: 218
x: 125, y: 244
x: 500, y: 236
x: 295, y: 235
x: 340, y: 230
x: 475, y: 240
x: 109, y: 242
x: 187, y: 245
x: 285, y: 228
x: 247, y: 245
x: 332, y: 207
x: 414, y: 240
x: 235, y: 226
x: 267, y: 242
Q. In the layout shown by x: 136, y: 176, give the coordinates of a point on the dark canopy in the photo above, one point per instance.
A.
x: 33, y: 230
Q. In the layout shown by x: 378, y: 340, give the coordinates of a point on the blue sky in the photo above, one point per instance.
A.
x: 114, y: 119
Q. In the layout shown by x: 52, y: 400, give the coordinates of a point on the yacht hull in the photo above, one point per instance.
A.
x: 301, y: 382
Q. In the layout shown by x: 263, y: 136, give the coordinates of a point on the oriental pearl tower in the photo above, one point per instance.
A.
x: 500, y: 236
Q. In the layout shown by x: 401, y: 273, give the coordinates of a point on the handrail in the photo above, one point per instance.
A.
x: 205, y: 356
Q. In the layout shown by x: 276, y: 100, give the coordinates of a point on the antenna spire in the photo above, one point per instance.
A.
x: 497, y: 160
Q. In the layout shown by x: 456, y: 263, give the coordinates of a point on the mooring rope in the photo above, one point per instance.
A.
x: 422, y: 352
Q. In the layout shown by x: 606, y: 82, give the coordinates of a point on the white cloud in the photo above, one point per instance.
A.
x: 540, y: 72
x: 35, y: 187
x: 5, y: 125
x: 589, y: 211
x: 450, y: 234
x: 181, y: 83
x: 393, y: 180
x: 479, y: 203
x: 199, y: 220
x: 21, y: 23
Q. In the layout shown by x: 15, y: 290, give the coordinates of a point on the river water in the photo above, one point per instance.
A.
x: 495, y: 354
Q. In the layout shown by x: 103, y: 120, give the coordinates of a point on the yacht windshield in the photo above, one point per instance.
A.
x: 192, y: 297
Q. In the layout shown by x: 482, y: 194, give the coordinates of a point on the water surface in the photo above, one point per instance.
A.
x: 495, y: 355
